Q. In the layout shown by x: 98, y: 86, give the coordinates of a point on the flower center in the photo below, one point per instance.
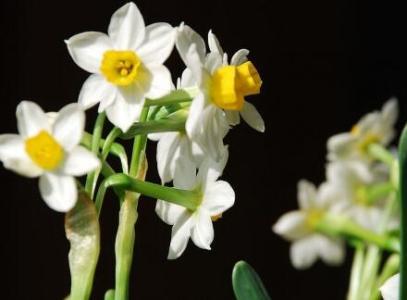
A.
x: 313, y: 218
x: 230, y: 84
x: 120, y: 67
x: 44, y: 150
x: 365, y: 140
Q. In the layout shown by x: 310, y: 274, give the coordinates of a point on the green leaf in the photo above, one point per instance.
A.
x: 403, y: 205
x: 82, y: 231
x: 247, y: 284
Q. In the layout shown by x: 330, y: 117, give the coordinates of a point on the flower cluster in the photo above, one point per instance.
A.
x: 134, y: 90
x: 357, y: 202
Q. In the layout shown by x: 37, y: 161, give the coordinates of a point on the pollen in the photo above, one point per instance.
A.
x: 120, y: 67
x: 216, y: 217
x: 44, y: 151
x: 230, y: 84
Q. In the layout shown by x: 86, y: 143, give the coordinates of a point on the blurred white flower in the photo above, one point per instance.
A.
x: 346, y: 187
x: 48, y: 147
x: 375, y: 127
x: 390, y: 289
x: 221, y: 87
x: 217, y: 197
x: 127, y: 65
x: 299, y: 227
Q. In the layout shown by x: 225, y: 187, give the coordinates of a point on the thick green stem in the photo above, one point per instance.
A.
x: 356, y: 273
x: 187, y: 199
x: 97, y: 134
x: 124, y: 245
x: 138, y: 146
x: 403, y: 206
x: 165, y: 125
x: 336, y: 225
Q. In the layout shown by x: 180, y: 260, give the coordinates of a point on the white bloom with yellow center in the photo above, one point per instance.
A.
x: 216, y: 197
x: 298, y: 227
x: 390, y: 289
x: 222, y: 88
x: 375, y: 127
x: 127, y: 65
x: 48, y: 147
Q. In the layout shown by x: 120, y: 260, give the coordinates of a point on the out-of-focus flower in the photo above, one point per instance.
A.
x: 216, y: 197
x: 127, y: 64
x: 48, y: 147
x: 376, y: 127
x: 299, y: 227
x: 390, y: 289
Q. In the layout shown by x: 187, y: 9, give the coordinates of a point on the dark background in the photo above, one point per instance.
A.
x: 324, y: 64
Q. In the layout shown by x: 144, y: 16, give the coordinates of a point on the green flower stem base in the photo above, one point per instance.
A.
x: 335, y: 225
x: 356, y: 272
x: 177, y: 96
x: 380, y: 153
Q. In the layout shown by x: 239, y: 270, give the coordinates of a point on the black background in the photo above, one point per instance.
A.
x: 324, y: 64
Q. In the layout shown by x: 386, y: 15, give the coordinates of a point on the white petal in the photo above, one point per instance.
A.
x: 304, y: 253
x: 59, y: 192
x: 187, y: 79
x: 14, y: 157
x: 160, y: 82
x: 194, y: 63
x: 252, y: 117
x: 180, y: 235
x: 31, y: 119
x: 331, y: 251
x: 306, y: 194
x: 69, y: 126
x: 168, y: 212
x: 94, y: 90
x: 127, y: 108
x: 166, y: 149
x: 79, y: 161
x: 219, y: 196
x: 214, y: 44
x: 233, y: 117
x: 210, y: 170
x: 292, y: 225
x: 126, y: 28
x: 185, y: 166
x: 390, y: 289
x: 213, y: 61
x: 390, y: 112
x: 186, y: 36
x: 239, y: 57
x: 87, y: 49
x: 202, y: 233
x: 194, y: 116
x: 340, y: 145
x: 158, y: 44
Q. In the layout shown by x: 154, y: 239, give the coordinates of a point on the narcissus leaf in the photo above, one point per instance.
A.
x: 247, y: 285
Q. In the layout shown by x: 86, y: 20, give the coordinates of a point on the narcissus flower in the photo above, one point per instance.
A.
x: 216, y: 196
x: 390, y: 289
x: 222, y: 88
x: 127, y: 65
x: 299, y: 227
x: 48, y: 147
x: 376, y: 127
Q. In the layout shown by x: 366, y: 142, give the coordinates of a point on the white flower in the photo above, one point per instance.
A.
x: 298, y: 227
x: 127, y: 65
x: 217, y: 197
x: 375, y: 127
x: 221, y: 87
x: 49, y: 148
x: 390, y: 289
x: 346, y: 186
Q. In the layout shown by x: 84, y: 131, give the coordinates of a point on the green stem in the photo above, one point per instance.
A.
x: 379, y: 191
x: 177, y: 96
x: 356, y: 273
x: 380, y: 153
x: 403, y: 206
x: 164, y: 125
x: 97, y: 134
x: 187, y: 199
x: 370, y: 270
x: 138, y: 146
x: 390, y: 268
x: 336, y: 225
